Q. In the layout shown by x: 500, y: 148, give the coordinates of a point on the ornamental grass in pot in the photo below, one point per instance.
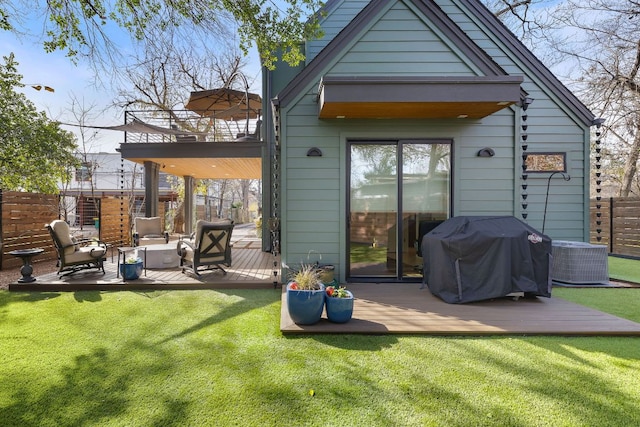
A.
x: 305, y: 295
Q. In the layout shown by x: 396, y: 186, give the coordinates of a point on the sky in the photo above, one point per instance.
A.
x: 67, y: 79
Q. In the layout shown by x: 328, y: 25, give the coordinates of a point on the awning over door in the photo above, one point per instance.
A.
x: 345, y: 97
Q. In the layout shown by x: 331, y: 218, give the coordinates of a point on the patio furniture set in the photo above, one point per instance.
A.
x: 208, y: 248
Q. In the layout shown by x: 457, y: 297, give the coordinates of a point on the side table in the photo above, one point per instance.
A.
x: 27, y: 269
x: 122, y: 253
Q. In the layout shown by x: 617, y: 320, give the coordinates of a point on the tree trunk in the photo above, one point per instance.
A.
x: 631, y: 166
x: 223, y: 189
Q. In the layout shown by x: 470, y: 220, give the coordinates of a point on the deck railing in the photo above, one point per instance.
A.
x: 196, y: 127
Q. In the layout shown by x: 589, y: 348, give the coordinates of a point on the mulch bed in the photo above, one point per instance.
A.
x: 11, y: 275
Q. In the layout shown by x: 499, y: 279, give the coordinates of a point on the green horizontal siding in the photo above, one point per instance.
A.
x: 416, y: 46
x: 333, y: 23
x: 551, y: 128
x: 407, y: 69
x: 313, y: 188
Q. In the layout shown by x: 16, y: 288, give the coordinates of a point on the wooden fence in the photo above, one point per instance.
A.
x: 619, y: 225
x: 23, y: 219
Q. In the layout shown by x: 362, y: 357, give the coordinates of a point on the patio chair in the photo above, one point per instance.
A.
x: 148, y: 231
x: 75, y: 254
x: 209, y: 246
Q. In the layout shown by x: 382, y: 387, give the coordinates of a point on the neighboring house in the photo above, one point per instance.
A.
x: 104, y: 175
x: 409, y: 112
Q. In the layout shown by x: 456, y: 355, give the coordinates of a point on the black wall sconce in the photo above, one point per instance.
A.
x: 314, y: 152
x: 486, y: 152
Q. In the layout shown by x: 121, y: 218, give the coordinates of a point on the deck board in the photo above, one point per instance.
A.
x: 250, y: 268
x: 408, y: 309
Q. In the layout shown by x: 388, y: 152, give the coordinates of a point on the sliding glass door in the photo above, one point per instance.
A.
x: 397, y: 190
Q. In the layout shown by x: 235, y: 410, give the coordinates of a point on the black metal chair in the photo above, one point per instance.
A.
x: 209, y: 247
x: 73, y: 254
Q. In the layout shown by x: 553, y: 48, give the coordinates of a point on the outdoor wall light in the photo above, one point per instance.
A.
x: 314, y: 152
x: 486, y: 152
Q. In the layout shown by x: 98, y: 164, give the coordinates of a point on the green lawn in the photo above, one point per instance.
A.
x: 624, y: 269
x: 210, y: 358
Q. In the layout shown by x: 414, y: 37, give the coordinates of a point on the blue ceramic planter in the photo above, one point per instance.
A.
x: 305, y: 307
x: 339, y: 310
x: 131, y: 271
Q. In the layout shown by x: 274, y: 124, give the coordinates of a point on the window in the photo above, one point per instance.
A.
x: 84, y: 172
x: 546, y: 162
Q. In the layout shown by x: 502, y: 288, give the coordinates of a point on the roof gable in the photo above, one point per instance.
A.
x: 356, y: 31
x: 519, y: 50
x: 400, y: 35
x: 438, y: 21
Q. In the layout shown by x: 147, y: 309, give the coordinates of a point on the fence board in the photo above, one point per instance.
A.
x: 24, y: 216
x: 620, y: 225
x: 115, y: 228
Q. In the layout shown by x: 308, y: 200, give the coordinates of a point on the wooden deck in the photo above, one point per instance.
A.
x: 408, y: 309
x: 391, y: 308
x: 251, y: 268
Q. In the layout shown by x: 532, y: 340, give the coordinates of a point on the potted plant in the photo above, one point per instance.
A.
x: 339, y: 302
x: 131, y: 269
x: 305, y: 295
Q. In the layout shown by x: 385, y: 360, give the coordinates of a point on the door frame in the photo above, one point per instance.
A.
x: 398, y: 142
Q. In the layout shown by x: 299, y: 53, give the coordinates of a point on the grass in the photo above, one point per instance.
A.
x: 217, y: 358
x: 624, y: 269
x: 367, y: 253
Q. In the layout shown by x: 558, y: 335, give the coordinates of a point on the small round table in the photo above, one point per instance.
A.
x: 27, y: 269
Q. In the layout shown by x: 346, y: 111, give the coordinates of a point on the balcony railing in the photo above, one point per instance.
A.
x: 195, y: 127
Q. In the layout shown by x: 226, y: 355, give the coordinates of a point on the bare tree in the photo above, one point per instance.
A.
x: 606, y: 52
x: 91, y: 30
x: 163, y: 76
x: 594, y: 47
x: 85, y: 114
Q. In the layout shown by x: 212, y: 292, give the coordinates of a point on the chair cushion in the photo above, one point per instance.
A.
x: 75, y: 243
x: 146, y: 226
x: 86, y: 253
x: 61, y: 230
x: 188, y: 256
x: 146, y: 240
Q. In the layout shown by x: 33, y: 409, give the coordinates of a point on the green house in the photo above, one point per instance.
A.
x: 409, y: 112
